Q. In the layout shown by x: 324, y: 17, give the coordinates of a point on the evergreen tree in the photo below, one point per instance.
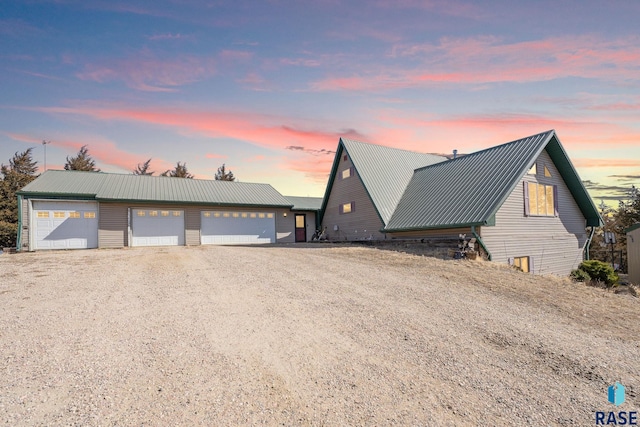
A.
x: 81, y: 162
x: 20, y: 171
x: 143, y: 169
x: 180, y: 171
x: 223, y: 175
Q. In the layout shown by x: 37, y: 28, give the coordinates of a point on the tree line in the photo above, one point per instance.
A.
x: 22, y: 169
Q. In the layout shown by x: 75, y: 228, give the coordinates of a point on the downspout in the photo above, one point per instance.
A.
x: 480, y: 242
x: 19, y: 237
x: 587, y: 245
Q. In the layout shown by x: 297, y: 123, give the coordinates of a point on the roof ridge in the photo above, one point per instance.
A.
x: 389, y: 148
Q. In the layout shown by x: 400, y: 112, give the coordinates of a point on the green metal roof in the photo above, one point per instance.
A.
x: 633, y: 227
x: 384, y: 171
x: 470, y: 189
x: 121, y: 187
x: 305, y: 203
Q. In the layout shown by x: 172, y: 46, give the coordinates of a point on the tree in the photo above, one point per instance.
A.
x: 143, y: 169
x: 223, y: 175
x: 180, y: 171
x: 81, y: 162
x: 20, y: 171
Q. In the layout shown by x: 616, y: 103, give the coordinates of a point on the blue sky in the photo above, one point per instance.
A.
x: 269, y: 87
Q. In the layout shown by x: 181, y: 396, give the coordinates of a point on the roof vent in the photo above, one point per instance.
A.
x: 455, y: 153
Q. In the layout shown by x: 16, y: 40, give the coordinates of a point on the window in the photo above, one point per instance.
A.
x: 244, y: 215
x: 253, y: 215
x: 533, y: 170
x: 261, y: 215
x: 521, y: 263
x: 206, y: 214
x: 58, y: 214
x: 346, y: 173
x: 216, y: 214
x: 165, y: 213
x: 177, y: 213
x: 344, y: 157
x: 226, y: 214
x: 269, y: 215
x: 236, y: 215
x: 74, y: 214
x: 43, y: 214
x: 547, y: 173
x: 540, y: 199
x: 89, y: 214
x: 346, y: 208
x: 153, y: 213
x: 141, y: 213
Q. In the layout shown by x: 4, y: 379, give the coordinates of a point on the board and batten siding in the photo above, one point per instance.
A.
x: 363, y: 222
x: 633, y: 255
x: 113, y: 225
x: 554, y: 244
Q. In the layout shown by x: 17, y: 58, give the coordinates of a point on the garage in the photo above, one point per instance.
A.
x: 237, y: 227
x: 157, y: 227
x: 63, y: 224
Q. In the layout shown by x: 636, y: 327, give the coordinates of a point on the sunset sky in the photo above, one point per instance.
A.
x: 268, y: 87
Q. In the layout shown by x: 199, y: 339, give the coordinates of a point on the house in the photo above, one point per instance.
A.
x: 633, y: 253
x: 523, y: 201
x: 78, y: 210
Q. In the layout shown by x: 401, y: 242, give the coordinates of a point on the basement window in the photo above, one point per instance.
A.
x: 521, y: 263
x: 346, y: 208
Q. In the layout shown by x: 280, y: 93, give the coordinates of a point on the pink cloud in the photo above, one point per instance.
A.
x: 484, y: 60
x: 214, y: 156
x: 147, y: 73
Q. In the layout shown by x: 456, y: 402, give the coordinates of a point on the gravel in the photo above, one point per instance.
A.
x: 304, y: 335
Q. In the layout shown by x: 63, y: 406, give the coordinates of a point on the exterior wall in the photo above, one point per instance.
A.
x: 25, y: 234
x: 363, y: 222
x: 444, y: 233
x: 554, y: 244
x: 113, y: 223
x: 633, y: 255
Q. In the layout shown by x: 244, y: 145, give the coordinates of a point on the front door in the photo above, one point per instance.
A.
x: 301, y: 228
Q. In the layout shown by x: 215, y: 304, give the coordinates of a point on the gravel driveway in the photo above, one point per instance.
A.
x: 306, y: 335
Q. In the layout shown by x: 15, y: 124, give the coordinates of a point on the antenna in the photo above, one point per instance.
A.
x: 45, y: 143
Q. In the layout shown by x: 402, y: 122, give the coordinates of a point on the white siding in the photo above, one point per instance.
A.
x: 554, y: 244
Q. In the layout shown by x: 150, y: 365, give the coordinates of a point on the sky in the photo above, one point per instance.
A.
x: 268, y: 87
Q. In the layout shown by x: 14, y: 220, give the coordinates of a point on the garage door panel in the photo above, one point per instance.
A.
x: 152, y: 227
x: 65, y: 224
x: 228, y: 228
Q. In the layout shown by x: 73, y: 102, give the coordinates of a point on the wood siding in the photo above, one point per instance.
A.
x: 24, y: 237
x: 113, y: 223
x: 633, y: 255
x: 363, y: 222
x: 444, y: 233
x: 554, y: 244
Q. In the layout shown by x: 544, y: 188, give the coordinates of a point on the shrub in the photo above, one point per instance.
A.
x: 580, y: 276
x: 599, y: 271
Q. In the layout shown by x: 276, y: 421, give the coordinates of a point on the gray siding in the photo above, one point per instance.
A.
x: 363, y: 222
x: 24, y: 238
x: 554, y: 244
x: 633, y: 255
x: 112, y: 225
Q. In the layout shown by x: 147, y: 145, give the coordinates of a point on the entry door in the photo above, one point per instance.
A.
x: 301, y: 228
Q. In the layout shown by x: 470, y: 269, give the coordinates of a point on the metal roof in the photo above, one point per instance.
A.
x: 385, y: 171
x: 305, y: 203
x: 469, y: 190
x: 143, y: 188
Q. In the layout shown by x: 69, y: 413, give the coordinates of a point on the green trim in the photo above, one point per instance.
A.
x: 633, y: 227
x: 65, y: 196
x: 19, y: 237
x: 435, y: 227
x: 182, y: 203
x: 480, y: 242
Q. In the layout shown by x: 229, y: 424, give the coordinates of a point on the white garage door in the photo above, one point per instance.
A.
x: 65, y: 224
x: 156, y: 227
x: 237, y: 227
